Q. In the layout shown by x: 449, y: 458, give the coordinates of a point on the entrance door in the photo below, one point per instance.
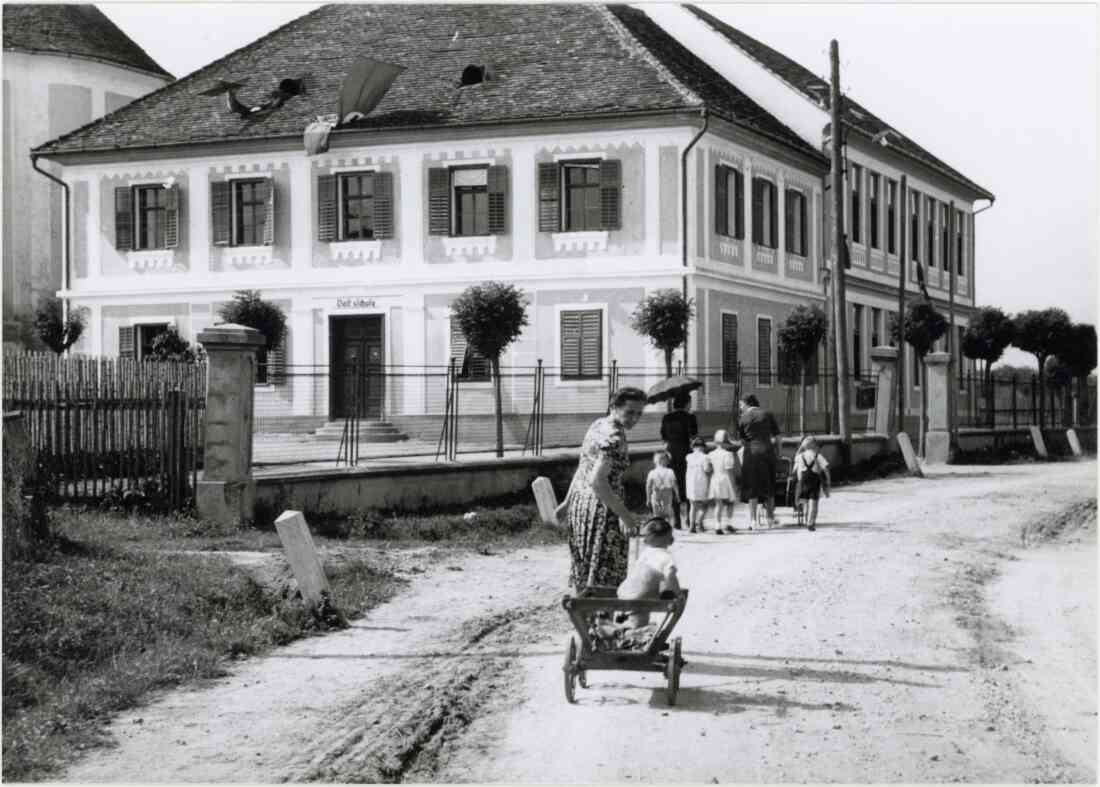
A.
x: 357, y: 366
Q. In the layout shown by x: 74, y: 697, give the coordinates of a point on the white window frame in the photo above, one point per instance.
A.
x: 605, y: 338
x: 340, y: 204
x: 138, y: 322
x: 234, y: 180
x: 771, y: 350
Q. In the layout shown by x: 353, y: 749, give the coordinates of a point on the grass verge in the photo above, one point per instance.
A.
x: 93, y: 624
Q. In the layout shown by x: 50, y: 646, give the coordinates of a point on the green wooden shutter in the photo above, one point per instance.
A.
x: 267, y: 188
x: 221, y: 200
x: 326, y: 208
x: 721, y: 200
x: 611, y: 194
x: 172, y: 217
x: 472, y: 366
x: 126, y: 341
x: 757, y: 211
x: 739, y: 205
x: 383, y: 205
x: 773, y: 196
x: 570, y: 345
x: 788, y: 220
x: 803, y: 210
x: 591, y: 343
x: 729, y: 348
x: 439, y: 201
x: 276, y: 363
x: 124, y: 218
x: 549, y: 198
x: 497, y: 180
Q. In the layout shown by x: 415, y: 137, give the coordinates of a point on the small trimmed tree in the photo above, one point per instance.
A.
x: 168, y: 345
x: 58, y: 332
x: 1041, y: 332
x: 985, y: 339
x: 922, y: 327
x: 248, y: 308
x: 663, y: 318
x: 492, y: 316
x: 800, y: 336
x: 1078, y: 355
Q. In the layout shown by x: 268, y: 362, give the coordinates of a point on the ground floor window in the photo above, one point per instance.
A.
x: 136, y: 341
x: 764, y: 350
x: 729, y: 348
x: 581, y: 344
x: 473, y: 367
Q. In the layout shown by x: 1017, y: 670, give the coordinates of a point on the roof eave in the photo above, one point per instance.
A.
x: 92, y: 58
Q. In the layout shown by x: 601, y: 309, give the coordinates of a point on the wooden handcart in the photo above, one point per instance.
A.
x: 585, y: 651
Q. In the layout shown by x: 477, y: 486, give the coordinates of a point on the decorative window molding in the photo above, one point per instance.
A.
x: 153, y: 260
x: 731, y: 248
x: 590, y: 240
x: 796, y: 262
x: 764, y: 256
x: 250, y: 256
x: 465, y: 246
x: 356, y: 250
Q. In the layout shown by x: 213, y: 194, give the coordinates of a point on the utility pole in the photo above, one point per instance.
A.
x: 903, y: 266
x: 952, y: 340
x: 839, y: 303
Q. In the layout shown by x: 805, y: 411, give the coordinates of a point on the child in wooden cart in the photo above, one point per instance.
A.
x: 812, y: 472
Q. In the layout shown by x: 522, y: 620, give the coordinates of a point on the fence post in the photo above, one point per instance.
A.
x: 226, y: 492
x: 884, y: 361
x: 937, y: 443
x: 1015, y: 419
x: 1034, y: 406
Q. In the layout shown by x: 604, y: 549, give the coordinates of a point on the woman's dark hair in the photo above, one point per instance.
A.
x: 750, y: 400
x: 628, y: 394
x: 681, y: 401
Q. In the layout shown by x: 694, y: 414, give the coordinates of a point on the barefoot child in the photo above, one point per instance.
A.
x: 723, y: 481
x: 654, y: 572
x: 698, y: 483
x: 661, y: 491
x: 812, y: 472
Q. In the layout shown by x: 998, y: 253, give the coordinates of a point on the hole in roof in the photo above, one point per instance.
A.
x: 292, y: 87
x: 474, y: 75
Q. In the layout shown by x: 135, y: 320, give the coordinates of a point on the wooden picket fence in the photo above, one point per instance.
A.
x: 110, y: 428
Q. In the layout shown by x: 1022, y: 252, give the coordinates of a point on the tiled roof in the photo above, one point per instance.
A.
x: 81, y: 30
x: 547, y: 61
x: 855, y: 116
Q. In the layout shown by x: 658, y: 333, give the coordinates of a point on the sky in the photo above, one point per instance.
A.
x: 1004, y: 93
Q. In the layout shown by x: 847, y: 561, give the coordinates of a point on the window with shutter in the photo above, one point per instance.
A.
x: 383, y: 205
x: 857, y: 341
x: 326, y: 208
x: 357, y: 205
x: 549, y: 198
x: 930, y: 226
x: 221, y: 210
x: 758, y: 211
x: 126, y: 340
x: 729, y: 202
x: 151, y: 202
x: 268, y: 191
x: 172, y: 217
x: 729, y: 348
x: 721, y: 201
x: 439, y: 201
x: 583, y: 208
x: 914, y: 226
x: 124, y: 219
x: 271, y: 364
x: 472, y: 366
x: 945, y: 237
x: 857, y: 204
x: 795, y: 209
x: 872, y: 208
x: 876, y: 317
x: 891, y: 328
x: 960, y: 269
x: 765, y: 221
x: 582, y: 344
x: 891, y: 216
x: 144, y: 336
x: 764, y: 350
x: 471, y: 201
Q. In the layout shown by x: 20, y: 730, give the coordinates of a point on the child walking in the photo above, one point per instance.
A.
x: 698, y: 483
x: 723, y: 481
x: 812, y: 471
x: 661, y: 491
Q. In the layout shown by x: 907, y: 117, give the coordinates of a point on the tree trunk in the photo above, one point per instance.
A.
x: 497, y: 406
x: 802, y: 400
x: 923, y: 404
x: 1042, y: 389
x: 668, y: 362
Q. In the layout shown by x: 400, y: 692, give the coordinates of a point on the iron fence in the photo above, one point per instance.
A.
x: 1012, y: 401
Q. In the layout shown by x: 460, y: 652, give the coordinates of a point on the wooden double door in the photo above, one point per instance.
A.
x: 357, y: 350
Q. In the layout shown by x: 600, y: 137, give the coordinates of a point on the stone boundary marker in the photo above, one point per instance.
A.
x: 1037, y: 438
x: 909, y: 454
x: 1074, y: 443
x: 545, y: 499
x: 302, y: 556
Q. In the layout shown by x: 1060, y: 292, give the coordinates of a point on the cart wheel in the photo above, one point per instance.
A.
x: 672, y: 671
x: 569, y: 669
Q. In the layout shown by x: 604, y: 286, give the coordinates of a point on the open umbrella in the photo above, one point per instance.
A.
x: 672, y: 387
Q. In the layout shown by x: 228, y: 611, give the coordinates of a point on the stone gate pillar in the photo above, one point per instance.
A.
x: 937, y: 447
x: 226, y: 492
x: 884, y: 368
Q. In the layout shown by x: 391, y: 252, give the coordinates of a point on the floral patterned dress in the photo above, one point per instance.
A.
x: 596, y: 543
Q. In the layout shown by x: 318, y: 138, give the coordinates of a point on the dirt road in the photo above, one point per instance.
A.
x: 911, y: 638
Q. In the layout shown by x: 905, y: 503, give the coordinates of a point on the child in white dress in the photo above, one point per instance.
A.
x: 723, y: 481
x: 812, y: 471
x: 697, y: 482
x: 653, y: 574
x: 661, y: 491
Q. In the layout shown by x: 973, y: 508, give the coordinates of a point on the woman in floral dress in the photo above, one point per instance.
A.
x: 599, y: 522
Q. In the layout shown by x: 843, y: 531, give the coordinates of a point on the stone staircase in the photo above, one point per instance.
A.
x: 370, y: 431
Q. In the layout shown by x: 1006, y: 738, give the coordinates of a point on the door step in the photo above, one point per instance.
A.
x: 370, y: 431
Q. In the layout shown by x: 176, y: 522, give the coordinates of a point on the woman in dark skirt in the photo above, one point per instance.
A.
x: 760, y: 436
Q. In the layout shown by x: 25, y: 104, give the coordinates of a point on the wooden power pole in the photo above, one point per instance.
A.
x: 903, y: 266
x: 839, y: 301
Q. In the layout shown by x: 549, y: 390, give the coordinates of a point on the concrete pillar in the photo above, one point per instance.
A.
x: 938, y: 442
x: 884, y: 369
x: 226, y: 492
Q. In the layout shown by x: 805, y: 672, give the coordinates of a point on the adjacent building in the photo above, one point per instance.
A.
x: 581, y: 152
x: 64, y: 65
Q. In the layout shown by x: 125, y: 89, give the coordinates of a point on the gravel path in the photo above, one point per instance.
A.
x: 869, y: 651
